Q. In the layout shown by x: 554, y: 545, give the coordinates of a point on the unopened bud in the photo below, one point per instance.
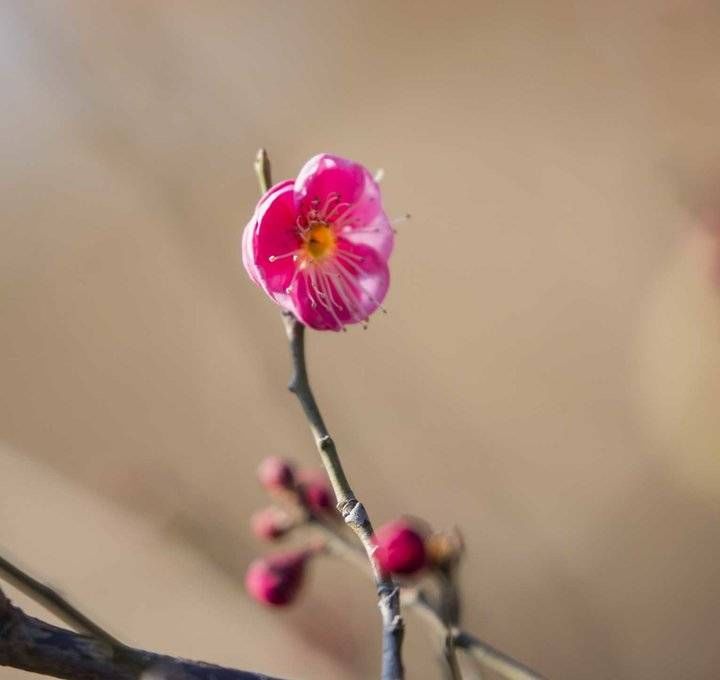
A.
x: 275, y: 580
x: 316, y: 490
x: 400, y: 547
x: 270, y: 523
x: 444, y: 548
x: 276, y: 474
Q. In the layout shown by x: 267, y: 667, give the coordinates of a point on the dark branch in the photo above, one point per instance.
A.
x: 54, y: 602
x: 493, y: 658
x: 32, y: 645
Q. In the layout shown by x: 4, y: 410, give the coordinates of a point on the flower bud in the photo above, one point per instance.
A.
x: 400, y: 547
x: 316, y: 491
x: 269, y: 524
x: 276, y: 474
x: 276, y: 579
x: 444, y: 549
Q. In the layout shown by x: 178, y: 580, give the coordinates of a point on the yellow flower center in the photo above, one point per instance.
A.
x: 319, y: 241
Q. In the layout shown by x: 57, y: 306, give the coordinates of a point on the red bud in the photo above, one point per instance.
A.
x: 276, y: 474
x: 269, y: 524
x: 400, y: 547
x: 316, y: 490
x: 444, y: 549
x: 276, y: 579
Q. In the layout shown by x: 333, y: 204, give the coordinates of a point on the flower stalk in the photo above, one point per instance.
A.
x: 352, y: 510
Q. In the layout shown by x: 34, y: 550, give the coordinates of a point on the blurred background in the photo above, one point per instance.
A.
x: 547, y: 378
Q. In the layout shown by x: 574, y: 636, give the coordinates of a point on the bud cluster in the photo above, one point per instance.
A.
x: 276, y: 579
x: 405, y: 546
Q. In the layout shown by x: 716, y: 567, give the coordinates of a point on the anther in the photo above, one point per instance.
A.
x: 402, y: 218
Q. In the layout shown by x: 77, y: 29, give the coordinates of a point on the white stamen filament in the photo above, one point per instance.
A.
x: 330, y: 216
x: 342, y: 266
x: 350, y: 256
x: 308, y: 286
x: 293, y: 253
x: 320, y: 286
x: 341, y: 220
x: 332, y: 197
x: 345, y: 287
x: 325, y: 278
x: 361, y: 230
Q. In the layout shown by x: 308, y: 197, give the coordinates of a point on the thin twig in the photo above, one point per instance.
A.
x: 484, y: 653
x: 337, y: 545
x: 54, y: 602
x: 32, y: 645
x: 417, y: 599
x: 448, y: 610
x: 353, y: 512
x: 493, y: 658
x: 450, y: 654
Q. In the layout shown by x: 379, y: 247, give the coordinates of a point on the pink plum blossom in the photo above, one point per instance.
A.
x: 319, y: 245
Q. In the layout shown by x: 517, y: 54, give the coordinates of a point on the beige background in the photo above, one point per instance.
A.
x: 548, y: 376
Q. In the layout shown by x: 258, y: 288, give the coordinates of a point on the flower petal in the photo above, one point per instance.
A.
x: 343, y: 290
x: 369, y: 271
x: 358, y: 208
x: 376, y: 234
x: 273, y: 240
x: 248, y: 256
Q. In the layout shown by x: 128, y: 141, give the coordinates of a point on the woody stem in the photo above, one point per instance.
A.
x: 352, y: 510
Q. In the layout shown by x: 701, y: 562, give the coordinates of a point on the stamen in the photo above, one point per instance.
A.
x: 351, y: 256
x: 324, y: 277
x: 340, y: 221
x: 361, y: 230
x: 308, y: 285
x: 332, y: 197
x: 295, y: 275
x: 346, y: 292
x: 322, y: 297
x: 342, y: 266
x: 324, y: 294
x: 293, y: 253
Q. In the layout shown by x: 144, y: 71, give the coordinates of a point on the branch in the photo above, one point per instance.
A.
x: 493, y: 658
x: 353, y: 512
x: 417, y: 599
x: 482, y: 652
x: 54, y: 602
x: 32, y: 645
